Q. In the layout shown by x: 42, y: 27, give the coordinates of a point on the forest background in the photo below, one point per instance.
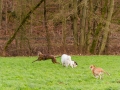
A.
x: 82, y: 27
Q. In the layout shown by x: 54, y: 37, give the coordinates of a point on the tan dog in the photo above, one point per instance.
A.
x: 97, y: 72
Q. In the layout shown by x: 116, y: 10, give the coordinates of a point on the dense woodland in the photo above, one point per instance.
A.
x: 83, y: 27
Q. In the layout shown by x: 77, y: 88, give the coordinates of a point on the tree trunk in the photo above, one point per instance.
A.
x: 31, y: 20
x: 64, y: 33
x: 89, y: 20
x: 63, y: 27
x: 106, y: 29
x: 6, y: 18
x: 46, y: 28
x: 96, y: 37
x: 83, y: 24
x: 1, y: 3
x: 75, y: 30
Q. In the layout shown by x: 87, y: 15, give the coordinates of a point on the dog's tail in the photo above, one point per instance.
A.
x: 57, y: 56
x: 107, y: 73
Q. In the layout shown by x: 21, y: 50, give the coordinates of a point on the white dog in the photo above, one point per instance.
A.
x: 66, y: 61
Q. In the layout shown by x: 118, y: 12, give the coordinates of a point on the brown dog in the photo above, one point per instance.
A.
x: 97, y: 72
x: 46, y: 57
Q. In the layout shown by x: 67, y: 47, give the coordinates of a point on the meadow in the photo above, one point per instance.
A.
x: 19, y: 73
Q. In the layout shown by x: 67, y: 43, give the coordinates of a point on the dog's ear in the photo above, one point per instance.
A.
x: 75, y: 63
x: 92, y: 66
x: 39, y: 53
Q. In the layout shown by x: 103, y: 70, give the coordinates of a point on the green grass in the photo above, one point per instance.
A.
x: 19, y: 73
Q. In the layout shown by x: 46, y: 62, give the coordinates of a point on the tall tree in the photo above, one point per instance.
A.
x: 63, y: 11
x: 6, y: 16
x: 89, y: 20
x: 46, y: 28
x: 75, y: 29
x: 31, y: 20
x: 106, y: 29
x: 1, y: 3
x: 83, y: 24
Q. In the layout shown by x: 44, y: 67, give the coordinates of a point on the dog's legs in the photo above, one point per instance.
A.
x: 54, y: 60
x: 35, y: 61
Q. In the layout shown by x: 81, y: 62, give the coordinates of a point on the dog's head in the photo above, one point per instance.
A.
x: 39, y: 53
x: 92, y: 67
x: 75, y: 64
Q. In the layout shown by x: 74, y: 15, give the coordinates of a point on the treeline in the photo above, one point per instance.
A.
x: 85, y: 22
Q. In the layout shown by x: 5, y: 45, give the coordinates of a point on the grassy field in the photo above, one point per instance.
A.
x: 19, y: 73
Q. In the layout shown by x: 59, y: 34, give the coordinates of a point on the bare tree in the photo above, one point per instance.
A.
x: 106, y: 29
x: 83, y: 25
x: 75, y: 29
x: 1, y: 7
x: 64, y: 23
x: 46, y: 28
